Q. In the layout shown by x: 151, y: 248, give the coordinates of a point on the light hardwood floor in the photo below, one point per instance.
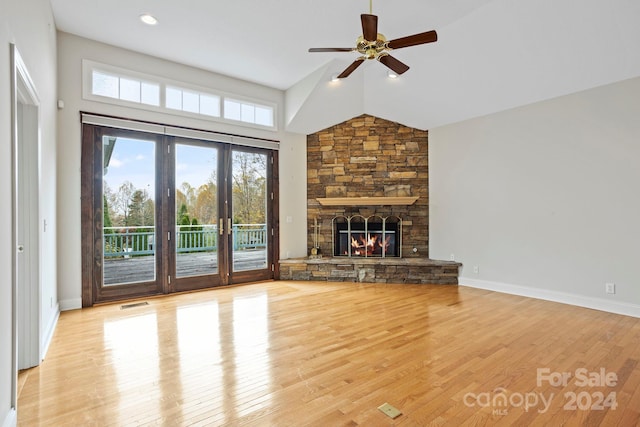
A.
x: 328, y: 354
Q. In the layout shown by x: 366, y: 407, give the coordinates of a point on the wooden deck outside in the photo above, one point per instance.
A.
x: 142, y: 268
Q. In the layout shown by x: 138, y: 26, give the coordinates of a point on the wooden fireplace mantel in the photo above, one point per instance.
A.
x: 367, y: 201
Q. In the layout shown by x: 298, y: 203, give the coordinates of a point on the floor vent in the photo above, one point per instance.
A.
x: 136, y: 304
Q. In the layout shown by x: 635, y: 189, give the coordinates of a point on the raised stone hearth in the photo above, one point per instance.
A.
x: 371, y: 270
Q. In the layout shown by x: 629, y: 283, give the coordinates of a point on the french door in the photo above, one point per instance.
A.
x: 165, y: 214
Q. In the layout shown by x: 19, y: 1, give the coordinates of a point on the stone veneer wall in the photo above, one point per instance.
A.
x: 372, y: 157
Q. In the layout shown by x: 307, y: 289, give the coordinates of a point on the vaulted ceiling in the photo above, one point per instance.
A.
x: 491, y: 55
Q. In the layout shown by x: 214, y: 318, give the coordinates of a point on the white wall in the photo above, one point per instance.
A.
x: 71, y: 51
x: 28, y: 24
x: 544, y: 198
x: 317, y: 102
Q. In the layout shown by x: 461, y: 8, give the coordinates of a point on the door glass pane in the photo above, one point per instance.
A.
x: 128, y: 184
x: 196, y: 210
x: 249, y: 201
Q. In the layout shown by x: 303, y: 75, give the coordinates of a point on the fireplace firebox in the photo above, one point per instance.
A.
x: 374, y: 236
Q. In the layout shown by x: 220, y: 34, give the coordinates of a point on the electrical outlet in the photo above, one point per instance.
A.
x: 610, y: 288
x: 390, y: 411
x: 476, y: 269
x: 452, y: 257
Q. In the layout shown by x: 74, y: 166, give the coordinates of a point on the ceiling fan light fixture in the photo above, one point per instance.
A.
x: 392, y: 74
x: 148, y: 19
x: 334, y: 78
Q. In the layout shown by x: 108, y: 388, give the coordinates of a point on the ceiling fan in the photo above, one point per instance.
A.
x: 373, y: 45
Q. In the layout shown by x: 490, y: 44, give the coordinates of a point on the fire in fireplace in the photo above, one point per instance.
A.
x: 375, y: 236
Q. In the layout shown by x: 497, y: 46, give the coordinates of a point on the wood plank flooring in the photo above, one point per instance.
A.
x: 328, y: 354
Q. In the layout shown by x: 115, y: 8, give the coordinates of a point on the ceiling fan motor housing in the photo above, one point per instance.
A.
x: 371, y: 50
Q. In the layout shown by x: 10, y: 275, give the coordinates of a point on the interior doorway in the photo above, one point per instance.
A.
x: 28, y: 247
x: 25, y: 219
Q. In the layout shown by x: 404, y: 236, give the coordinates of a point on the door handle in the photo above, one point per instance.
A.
x: 221, y: 227
x: 229, y: 227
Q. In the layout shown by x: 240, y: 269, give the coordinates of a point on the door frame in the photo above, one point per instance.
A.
x: 91, y: 236
x: 226, y: 274
x: 185, y: 284
x: 25, y: 154
x: 272, y: 270
x: 92, y: 210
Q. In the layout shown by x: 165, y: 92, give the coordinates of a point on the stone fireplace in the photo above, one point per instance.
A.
x: 368, y: 205
x: 369, y: 167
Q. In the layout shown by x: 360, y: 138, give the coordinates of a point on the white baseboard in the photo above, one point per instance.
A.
x: 11, y: 420
x: 616, y: 307
x: 70, y: 304
x: 48, y: 332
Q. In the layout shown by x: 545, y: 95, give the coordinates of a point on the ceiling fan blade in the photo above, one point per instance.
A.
x: 391, y: 62
x: 331, y: 49
x: 351, y: 68
x: 416, y: 39
x: 369, y: 27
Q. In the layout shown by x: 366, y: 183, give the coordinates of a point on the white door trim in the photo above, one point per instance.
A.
x: 25, y: 133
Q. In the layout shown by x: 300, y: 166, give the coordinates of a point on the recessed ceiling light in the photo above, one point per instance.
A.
x: 148, y: 19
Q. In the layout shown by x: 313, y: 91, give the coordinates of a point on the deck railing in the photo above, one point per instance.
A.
x: 139, y: 241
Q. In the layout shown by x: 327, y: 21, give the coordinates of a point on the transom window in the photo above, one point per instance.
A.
x: 192, y: 102
x: 105, y: 83
x: 248, y: 112
x: 124, y: 88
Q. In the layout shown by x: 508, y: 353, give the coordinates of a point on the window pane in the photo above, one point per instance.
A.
x: 150, y: 94
x: 128, y: 183
x: 248, y: 113
x: 104, y: 85
x: 249, y: 202
x: 231, y: 109
x: 174, y: 98
x: 190, y: 102
x: 210, y: 105
x: 264, y: 116
x: 129, y: 90
x: 196, y: 191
